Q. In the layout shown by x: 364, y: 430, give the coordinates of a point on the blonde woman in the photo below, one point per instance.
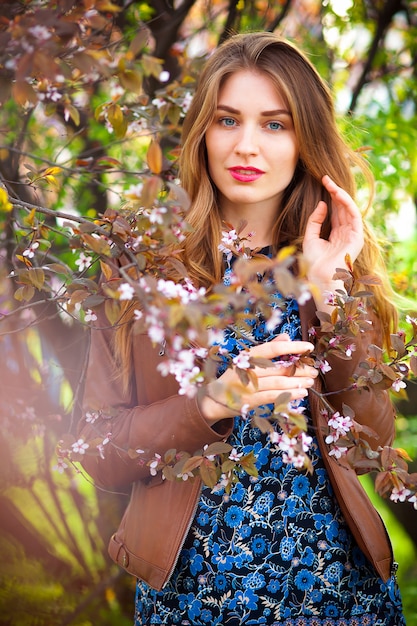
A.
x: 260, y: 144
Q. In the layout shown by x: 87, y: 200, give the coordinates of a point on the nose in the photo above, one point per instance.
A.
x: 247, y: 141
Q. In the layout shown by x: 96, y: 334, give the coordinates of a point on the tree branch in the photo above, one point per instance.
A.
x: 390, y: 8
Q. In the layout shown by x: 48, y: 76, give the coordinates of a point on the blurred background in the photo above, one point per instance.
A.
x: 84, y: 86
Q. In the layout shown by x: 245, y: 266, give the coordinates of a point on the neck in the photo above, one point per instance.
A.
x: 257, y: 230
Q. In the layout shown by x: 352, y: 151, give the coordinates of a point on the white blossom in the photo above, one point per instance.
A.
x: 134, y: 191
x: 324, y: 366
x: 30, y: 251
x: 80, y: 446
x: 398, y: 384
x: 39, y: 32
x: 242, y: 360
x: 186, y: 102
x: 164, y: 76
x: 338, y: 451
x: 126, y: 291
x: 399, y: 495
x: 83, y: 262
x: 274, y: 320
x: 235, y: 455
x: 304, y: 296
x: 90, y: 316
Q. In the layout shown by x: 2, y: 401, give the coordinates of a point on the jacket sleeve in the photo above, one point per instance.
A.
x: 151, y: 417
x: 373, y: 407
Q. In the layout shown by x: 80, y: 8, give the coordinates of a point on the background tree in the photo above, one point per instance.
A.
x: 88, y: 92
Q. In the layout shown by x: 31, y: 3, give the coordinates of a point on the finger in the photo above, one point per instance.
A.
x: 288, y: 370
x: 315, y: 222
x: 342, y: 200
x: 277, y: 348
x: 284, y: 383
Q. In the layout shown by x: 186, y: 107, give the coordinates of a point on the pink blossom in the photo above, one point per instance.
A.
x: 242, y: 360
x: 305, y: 441
x: 339, y: 427
x: 229, y: 238
x: 235, y: 455
x: 91, y: 417
x: 156, y: 216
x: 80, y: 446
x: 399, y: 495
x: 61, y: 466
x: 350, y: 348
x: 159, y: 102
x: 413, y: 500
x: 330, y: 298
x: 83, y: 262
x: 337, y: 451
x: 334, y: 341
x: 186, y: 102
x: 324, y: 366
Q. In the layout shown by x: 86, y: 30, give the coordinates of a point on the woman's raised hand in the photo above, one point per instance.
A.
x: 271, y: 381
x: 346, y: 236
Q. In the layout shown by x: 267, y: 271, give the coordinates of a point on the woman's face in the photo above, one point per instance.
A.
x: 251, y: 145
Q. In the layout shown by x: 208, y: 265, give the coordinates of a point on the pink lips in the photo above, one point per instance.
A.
x: 245, y: 174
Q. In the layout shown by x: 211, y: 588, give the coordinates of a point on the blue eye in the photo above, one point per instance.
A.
x: 274, y: 125
x: 227, y: 121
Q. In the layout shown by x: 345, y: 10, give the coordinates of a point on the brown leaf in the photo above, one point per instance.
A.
x: 398, y: 345
x: 98, y: 245
x: 131, y: 80
x: 24, y: 93
x: 219, y: 447
x: 383, y: 483
x: 150, y: 191
x: 106, y: 270
x: 192, y: 464
x: 369, y: 280
x: 154, y: 157
x: 24, y: 294
x: 209, y: 473
x: 139, y: 41
x: 112, y: 311
x: 117, y: 120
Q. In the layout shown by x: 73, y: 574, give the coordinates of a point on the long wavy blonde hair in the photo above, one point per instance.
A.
x: 322, y: 151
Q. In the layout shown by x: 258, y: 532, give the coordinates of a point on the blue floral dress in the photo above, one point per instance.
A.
x: 275, y: 551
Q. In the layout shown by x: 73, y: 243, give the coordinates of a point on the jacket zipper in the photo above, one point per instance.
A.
x: 186, y: 531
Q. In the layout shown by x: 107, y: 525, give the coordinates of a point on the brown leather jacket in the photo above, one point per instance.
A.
x: 154, y: 418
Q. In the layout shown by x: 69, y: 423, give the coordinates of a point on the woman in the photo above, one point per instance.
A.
x: 260, y: 144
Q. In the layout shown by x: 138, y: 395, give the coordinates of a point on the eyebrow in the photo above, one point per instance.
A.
x: 229, y: 109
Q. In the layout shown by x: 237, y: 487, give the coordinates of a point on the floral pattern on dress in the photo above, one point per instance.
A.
x: 277, y: 550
